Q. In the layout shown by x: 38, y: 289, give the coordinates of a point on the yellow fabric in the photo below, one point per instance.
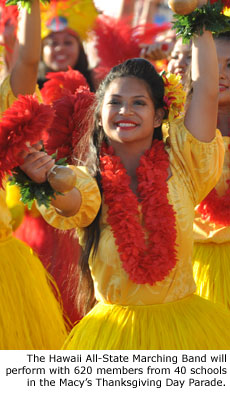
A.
x: 7, y: 97
x: 16, y: 207
x: 205, y: 231
x: 181, y: 325
x: 211, y: 267
x: 195, y: 168
x: 30, y: 316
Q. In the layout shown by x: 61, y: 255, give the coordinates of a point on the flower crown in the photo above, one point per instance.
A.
x: 174, y: 97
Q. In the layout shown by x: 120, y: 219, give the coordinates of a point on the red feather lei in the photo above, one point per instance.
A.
x: 145, y: 260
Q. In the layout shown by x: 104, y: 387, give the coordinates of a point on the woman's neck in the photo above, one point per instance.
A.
x: 130, y: 155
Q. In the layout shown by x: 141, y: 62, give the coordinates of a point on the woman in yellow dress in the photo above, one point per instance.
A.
x: 212, y: 220
x: 30, y: 315
x: 133, y: 207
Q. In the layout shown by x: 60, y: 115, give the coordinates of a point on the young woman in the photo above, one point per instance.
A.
x: 64, y: 26
x: 212, y: 221
x: 133, y: 207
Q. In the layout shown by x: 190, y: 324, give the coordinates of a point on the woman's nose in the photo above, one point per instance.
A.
x: 126, y: 108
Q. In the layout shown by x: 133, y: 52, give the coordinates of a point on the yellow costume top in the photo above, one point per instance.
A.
x: 7, y: 97
x: 195, y: 168
x: 209, y: 232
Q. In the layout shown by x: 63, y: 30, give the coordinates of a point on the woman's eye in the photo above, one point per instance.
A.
x: 114, y: 101
x: 68, y: 42
x: 139, y: 103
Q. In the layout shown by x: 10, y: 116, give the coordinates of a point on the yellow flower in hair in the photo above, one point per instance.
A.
x: 174, y: 97
x: 76, y: 15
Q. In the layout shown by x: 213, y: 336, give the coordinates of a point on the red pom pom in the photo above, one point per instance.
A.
x: 70, y: 123
x: 116, y: 41
x: 61, y: 83
x: 21, y: 124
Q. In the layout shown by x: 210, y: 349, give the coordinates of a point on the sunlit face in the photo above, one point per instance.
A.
x: 223, y: 53
x: 128, y: 114
x: 180, y: 59
x: 60, y: 50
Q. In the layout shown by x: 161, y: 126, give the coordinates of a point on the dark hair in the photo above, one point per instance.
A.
x: 81, y: 65
x: 141, y: 69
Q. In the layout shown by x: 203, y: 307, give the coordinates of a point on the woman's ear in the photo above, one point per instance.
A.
x: 159, y: 116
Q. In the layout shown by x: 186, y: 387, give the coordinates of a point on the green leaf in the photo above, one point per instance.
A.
x: 208, y: 17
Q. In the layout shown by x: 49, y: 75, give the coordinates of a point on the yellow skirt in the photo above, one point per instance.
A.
x: 211, y: 269
x: 31, y: 317
x: 192, y: 323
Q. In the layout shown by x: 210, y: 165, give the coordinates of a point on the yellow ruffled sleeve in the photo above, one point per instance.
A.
x: 91, y: 202
x: 199, y: 164
x: 7, y: 97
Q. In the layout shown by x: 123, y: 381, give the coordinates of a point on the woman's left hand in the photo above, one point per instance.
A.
x: 37, y: 163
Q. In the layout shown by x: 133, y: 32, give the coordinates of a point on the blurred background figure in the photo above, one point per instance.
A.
x: 180, y: 59
x: 64, y: 27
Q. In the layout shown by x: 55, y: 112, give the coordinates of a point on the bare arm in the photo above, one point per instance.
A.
x: 24, y: 73
x: 201, y: 116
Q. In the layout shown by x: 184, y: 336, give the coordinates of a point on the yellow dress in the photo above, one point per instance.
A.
x: 211, y: 262
x: 166, y: 315
x: 31, y: 318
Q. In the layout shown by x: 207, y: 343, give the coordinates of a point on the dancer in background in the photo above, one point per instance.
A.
x: 211, y: 263
x: 65, y: 25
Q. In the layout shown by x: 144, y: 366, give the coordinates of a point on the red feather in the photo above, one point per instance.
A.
x: 70, y: 123
x: 116, y: 41
x: 24, y: 122
x: 61, y: 83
